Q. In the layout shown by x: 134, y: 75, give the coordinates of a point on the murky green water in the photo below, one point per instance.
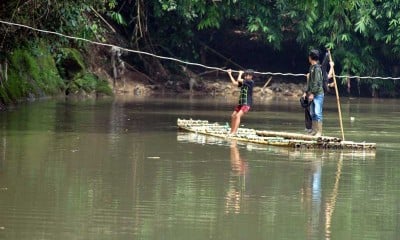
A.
x: 119, y: 169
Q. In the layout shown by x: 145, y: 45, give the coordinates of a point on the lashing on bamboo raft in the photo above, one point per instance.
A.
x: 274, y: 138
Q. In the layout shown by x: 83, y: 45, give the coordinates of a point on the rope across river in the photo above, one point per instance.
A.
x: 179, y: 60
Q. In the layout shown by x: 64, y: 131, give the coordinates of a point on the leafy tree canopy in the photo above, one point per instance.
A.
x: 363, y: 34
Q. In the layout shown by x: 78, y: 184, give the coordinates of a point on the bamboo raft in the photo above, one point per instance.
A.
x: 274, y: 138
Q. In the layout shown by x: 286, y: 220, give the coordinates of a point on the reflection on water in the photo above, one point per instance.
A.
x: 289, y: 153
x: 311, y: 197
x: 330, y: 205
x: 318, y: 206
x: 237, y: 180
x: 119, y: 169
x: 313, y: 202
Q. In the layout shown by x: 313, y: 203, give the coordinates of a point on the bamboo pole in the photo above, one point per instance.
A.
x: 297, y: 136
x: 265, y: 85
x: 337, y: 96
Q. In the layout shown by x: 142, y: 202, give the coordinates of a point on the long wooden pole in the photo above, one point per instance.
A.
x: 337, y: 96
x: 269, y: 80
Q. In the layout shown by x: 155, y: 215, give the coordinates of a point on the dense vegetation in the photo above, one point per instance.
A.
x: 37, y: 65
x: 362, y: 34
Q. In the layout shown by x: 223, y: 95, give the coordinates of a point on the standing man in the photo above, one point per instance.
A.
x: 245, y: 99
x: 315, y: 92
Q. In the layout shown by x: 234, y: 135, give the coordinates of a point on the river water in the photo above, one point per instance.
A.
x: 119, y: 169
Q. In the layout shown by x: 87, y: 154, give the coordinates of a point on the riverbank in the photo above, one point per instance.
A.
x: 217, y: 87
x: 30, y: 75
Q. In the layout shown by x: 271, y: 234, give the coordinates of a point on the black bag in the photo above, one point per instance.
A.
x: 304, y: 102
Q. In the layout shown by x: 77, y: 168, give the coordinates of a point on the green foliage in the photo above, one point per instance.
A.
x: 103, y: 87
x: 70, y: 17
x: 4, y: 95
x: 87, y: 82
x: 40, y: 68
x: 73, y: 69
x: 32, y: 73
x: 90, y: 84
x: 211, y: 19
x: 23, y: 71
x: 118, y: 18
x: 46, y: 75
x: 112, y: 4
x: 70, y: 63
x: 364, y: 35
x: 16, y: 87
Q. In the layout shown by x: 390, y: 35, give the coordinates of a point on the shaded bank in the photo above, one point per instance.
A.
x: 34, y: 71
